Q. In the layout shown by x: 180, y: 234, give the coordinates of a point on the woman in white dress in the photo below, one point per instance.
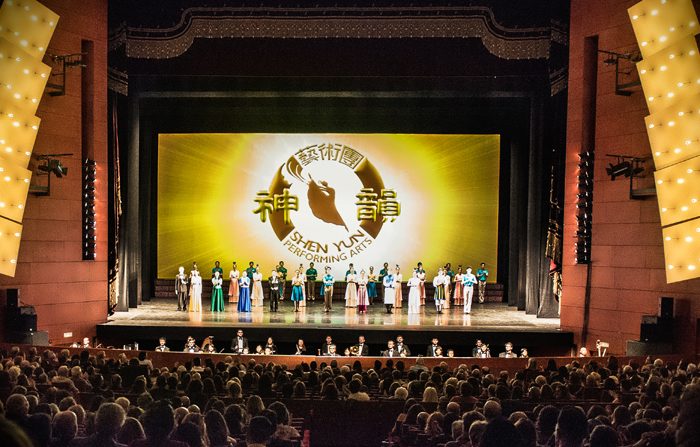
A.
x: 398, y: 277
x: 413, y: 294
x: 257, y: 288
x: 233, y: 275
x: 196, y: 292
x: 351, y: 290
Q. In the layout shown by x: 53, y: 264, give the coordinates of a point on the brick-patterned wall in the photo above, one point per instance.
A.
x: 70, y: 295
x: 627, y: 254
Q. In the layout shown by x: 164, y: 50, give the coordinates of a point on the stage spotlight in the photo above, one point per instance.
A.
x: 618, y: 170
x: 55, y: 166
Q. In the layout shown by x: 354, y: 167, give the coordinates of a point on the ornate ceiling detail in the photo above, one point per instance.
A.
x: 390, y: 22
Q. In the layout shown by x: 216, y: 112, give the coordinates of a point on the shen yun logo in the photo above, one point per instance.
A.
x: 327, y: 203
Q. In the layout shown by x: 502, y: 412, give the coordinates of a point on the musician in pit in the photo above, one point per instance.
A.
x: 161, y: 345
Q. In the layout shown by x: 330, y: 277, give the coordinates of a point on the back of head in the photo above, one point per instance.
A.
x: 109, y: 419
x: 527, y: 431
x: 158, y: 421
x: 189, y: 433
x: 12, y: 435
x: 572, y: 427
x: 476, y: 431
x: 492, y: 410
x: 688, y: 429
x: 217, y: 431
x: 499, y: 432
x: 65, y: 425
x: 39, y: 429
x: 130, y: 431
x: 604, y: 436
x: 259, y: 430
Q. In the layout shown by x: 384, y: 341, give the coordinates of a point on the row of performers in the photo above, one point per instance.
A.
x: 361, y: 289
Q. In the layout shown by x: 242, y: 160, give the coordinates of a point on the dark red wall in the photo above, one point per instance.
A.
x: 628, y: 274
x: 70, y: 295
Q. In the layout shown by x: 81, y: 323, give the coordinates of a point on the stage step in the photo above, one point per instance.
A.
x: 165, y: 288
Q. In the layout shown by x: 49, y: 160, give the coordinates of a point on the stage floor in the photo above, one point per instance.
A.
x: 484, y: 317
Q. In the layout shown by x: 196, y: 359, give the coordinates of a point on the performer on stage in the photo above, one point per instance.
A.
x: 398, y: 299
x: 239, y: 344
x: 250, y: 271
x: 401, y: 347
x: 421, y: 285
x: 217, y: 268
x: 302, y: 275
x: 233, y: 275
x: 274, y: 282
x: 458, y: 287
x: 389, y: 293
x: 468, y: 281
x: 311, y: 274
x: 482, y: 275
x: 297, y: 290
x: 195, y: 268
x: 181, y: 287
x: 257, y: 299
x: 327, y: 289
x: 217, y: 293
x: 161, y: 345
x: 362, y: 293
x: 439, y: 283
x: 282, y: 271
x: 413, y: 294
x: 351, y: 289
x: 383, y: 272
x: 449, y: 275
x: 195, y: 292
x: 371, y: 285
x: 244, y: 294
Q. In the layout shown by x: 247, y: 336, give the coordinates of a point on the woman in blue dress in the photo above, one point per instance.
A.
x: 244, y: 294
x: 217, y: 293
x: 297, y: 290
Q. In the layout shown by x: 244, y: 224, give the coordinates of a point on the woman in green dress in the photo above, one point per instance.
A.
x: 217, y: 293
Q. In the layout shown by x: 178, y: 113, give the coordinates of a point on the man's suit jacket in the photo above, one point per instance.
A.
x: 403, y: 348
x: 429, y: 352
x: 364, y: 351
x: 386, y: 353
x: 234, y: 344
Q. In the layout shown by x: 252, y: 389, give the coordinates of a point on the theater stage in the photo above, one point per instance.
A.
x: 495, y: 323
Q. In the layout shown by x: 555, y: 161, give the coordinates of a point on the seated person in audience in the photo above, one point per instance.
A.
x: 509, y: 354
x: 191, y: 345
x: 161, y: 345
x: 433, y: 347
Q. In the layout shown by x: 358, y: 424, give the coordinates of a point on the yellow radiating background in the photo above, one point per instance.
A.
x: 447, y: 185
